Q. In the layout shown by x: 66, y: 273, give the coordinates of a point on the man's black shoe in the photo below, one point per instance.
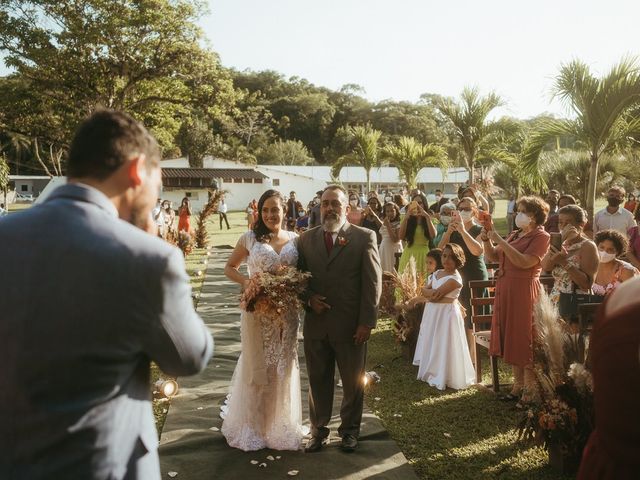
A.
x: 313, y: 445
x: 349, y: 443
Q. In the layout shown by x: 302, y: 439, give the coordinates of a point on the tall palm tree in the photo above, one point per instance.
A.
x: 604, y: 121
x: 410, y: 156
x: 469, y: 119
x: 366, y: 152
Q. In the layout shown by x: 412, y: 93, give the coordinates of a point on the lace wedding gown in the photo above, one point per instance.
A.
x: 265, y: 405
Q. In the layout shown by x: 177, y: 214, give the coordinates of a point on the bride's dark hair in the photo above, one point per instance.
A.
x: 260, y: 229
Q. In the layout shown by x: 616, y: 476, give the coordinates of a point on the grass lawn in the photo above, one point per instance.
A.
x: 450, y: 434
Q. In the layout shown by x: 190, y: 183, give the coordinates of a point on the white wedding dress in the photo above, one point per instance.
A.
x: 265, y: 405
x: 442, y: 352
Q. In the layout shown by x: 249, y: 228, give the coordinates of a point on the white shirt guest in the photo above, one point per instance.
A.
x: 614, y: 216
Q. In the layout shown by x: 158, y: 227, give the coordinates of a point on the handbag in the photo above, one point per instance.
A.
x: 568, y: 303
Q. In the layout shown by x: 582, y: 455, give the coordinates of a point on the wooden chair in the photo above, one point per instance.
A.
x: 481, y: 319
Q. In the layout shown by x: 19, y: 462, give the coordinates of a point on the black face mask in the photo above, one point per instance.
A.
x: 614, y: 201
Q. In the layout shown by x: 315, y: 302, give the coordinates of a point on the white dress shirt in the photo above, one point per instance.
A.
x: 621, y: 221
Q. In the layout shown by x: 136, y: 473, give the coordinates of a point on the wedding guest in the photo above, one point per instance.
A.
x: 314, y: 212
x: 551, y: 225
x: 442, y: 354
x: 250, y: 216
x: 614, y: 217
x: 517, y: 288
x: 158, y: 217
x: 565, y: 200
x: 184, y: 216
x: 612, y: 271
x: 354, y: 216
x: 465, y: 232
x: 390, y: 232
x: 169, y: 218
x: 444, y: 219
x: 631, y: 204
x: 440, y: 201
x: 633, y: 253
x: 613, y: 449
x: 294, y: 207
x: 371, y: 216
x: 418, y: 231
x: 79, y: 329
x: 434, y: 262
x: 483, y: 205
x: 401, y: 202
x: 574, y: 265
x: 3, y: 211
x: 222, y: 213
x: 302, y: 223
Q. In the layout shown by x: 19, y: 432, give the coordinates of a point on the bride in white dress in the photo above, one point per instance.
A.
x: 265, y: 406
x: 442, y: 352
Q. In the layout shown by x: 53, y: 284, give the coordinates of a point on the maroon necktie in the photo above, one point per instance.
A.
x: 328, y: 241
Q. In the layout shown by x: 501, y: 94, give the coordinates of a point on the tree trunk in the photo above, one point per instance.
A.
x: 591, y: 192
x: 368, y: 180
x: 470, y: 165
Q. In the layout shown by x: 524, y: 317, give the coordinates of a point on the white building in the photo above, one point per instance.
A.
x: 247, y: 182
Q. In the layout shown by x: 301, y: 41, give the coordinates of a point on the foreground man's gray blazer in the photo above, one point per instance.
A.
x: 86, y: 301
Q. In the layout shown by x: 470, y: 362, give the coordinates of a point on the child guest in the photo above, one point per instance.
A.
x: 442, y: 353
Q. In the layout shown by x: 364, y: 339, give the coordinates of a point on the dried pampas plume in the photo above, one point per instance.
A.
x: 550, y: 332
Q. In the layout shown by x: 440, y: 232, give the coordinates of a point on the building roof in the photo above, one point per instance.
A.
x: 211, y: 173
x: 383, y: 175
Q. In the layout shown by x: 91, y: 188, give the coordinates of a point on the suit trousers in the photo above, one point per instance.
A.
x: 321, y: 357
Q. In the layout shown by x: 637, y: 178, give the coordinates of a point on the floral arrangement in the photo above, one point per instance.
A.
x: 561, y: 413
x: 210, y: 208
x: 271, y: 294
x: 182, y: 240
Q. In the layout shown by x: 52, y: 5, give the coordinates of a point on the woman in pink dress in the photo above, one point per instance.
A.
x: 517, y: 288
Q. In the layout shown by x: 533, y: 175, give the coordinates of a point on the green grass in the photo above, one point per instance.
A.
x: 451, y: 434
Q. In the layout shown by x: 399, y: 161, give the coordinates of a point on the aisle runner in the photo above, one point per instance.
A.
x: 192, y: 445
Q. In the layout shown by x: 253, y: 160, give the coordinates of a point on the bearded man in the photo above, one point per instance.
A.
x: 342, y: 300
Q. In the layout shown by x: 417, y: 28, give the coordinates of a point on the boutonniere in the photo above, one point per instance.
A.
x: 342, y: 241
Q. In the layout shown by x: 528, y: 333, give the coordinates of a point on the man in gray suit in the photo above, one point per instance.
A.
x: 342, y: 301
x: 87, y: 299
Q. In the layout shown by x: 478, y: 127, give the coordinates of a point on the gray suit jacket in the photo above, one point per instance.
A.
x: 86, y: 301
x: 350, y: 277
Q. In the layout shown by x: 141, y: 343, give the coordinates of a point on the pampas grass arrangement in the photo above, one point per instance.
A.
x: 210, y: 208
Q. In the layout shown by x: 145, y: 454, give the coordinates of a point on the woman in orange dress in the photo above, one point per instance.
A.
x: 184, y: 216
x: 517, y: 288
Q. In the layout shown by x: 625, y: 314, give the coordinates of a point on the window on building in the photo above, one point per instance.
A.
x: 24, y: 188
x: 247, y: 180
x: 276, y: 182
x: 257, y: 180
x: 237, y: 180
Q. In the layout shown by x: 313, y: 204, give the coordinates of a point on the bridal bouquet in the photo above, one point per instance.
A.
x: 273, y: 293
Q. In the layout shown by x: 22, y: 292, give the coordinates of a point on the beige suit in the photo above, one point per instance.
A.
x: 350, y: 278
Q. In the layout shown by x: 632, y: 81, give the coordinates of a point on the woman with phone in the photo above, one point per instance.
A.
x: 572, y: 258
x: 465, y: 232
x: 418, y: 231
x: 517, y: 289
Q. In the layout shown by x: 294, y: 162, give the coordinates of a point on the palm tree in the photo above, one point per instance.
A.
x: 604, y: 122
x: 411, y: 156
x: 469, y: 119
x: 365, y: 152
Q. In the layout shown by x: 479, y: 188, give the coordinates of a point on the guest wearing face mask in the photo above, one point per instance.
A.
x: 440, y: 201
x: 614, y: 217
x: 612, y: 271
x: 354, y: 216
x: 445, y: 218
x: 517, y: 289
x: 573, y: 263
x: 465, y: 232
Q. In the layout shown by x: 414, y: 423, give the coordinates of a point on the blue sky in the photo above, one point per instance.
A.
x: 402, y: 48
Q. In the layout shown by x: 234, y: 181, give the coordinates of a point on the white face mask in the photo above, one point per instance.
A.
x: 606, y: 257
x: 466, y: 216
x: 522, y: 220
x: 438, y: 197
x: 445, y: 220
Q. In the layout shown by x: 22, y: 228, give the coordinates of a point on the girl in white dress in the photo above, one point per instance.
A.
x: 442, y: 353
x: 265, y: 405
x: 390, y: 231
